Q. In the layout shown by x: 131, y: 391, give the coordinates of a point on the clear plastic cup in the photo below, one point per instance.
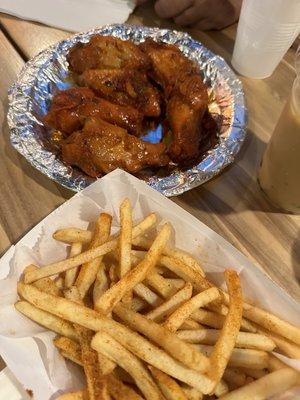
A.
x: 279, y: 174
x: 266, y: 30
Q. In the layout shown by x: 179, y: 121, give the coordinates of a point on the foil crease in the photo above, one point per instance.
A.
x: 30, y: 97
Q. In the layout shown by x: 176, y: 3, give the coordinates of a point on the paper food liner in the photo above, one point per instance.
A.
x: 27, y: 348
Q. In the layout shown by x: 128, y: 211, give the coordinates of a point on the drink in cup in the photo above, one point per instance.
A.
x: 266, y: 30
x: 279, y: 174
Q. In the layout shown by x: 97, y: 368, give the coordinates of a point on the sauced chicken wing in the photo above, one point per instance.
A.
x: 106, y: 52
x: 70, y: 108
x: 124, y: 87
x: 185, y: 110
x: 186, y: 96
x: 168, y: 63
x: 101, y: 147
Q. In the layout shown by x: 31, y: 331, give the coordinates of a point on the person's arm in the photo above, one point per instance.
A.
x: 201, y: 14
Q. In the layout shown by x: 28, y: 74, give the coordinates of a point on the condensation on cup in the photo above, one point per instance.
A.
x: 279, y: 174
x: 266, y: 30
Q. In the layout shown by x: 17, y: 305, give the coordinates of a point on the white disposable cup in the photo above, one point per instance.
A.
x: 266, y: 30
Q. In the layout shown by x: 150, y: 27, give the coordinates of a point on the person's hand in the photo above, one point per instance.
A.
x: 201, y: 14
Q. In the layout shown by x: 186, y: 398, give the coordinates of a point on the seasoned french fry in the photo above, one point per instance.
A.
x: 168, y: 386
x: 100, y: 285
x: 178, y: 254
x: 95, y: 365
x: 176, y: 319
x: 138, y: 304
x: 69, y: 349
x: 81, y: 395
x: 221, y: 389
x: 244, y: 339
x: 112, y: 296
x: 45, y: 284
x: 125, y: 237
x: 192, y: 393
x: 284, y: 345
x: 275, y: 363
x: 125, y: 244
x: 71, y: 274
x: 191, y: 324
x: 160, y: 285
x: 254, y: 373
x: 171, y: 304
x: 177, y: 283
x: 234, y: 377
x: 165, y: 339
x: 135, y: 343
x: 209, y: 318
x: 88, y: 271
x: 89, y: 255
x: 60, y: 282
x: 120, y: 391
x: 248, y: 358
x: 73, y: 235
x: 47, y: 320
x: 146, y: 294
x: 105, y: 344
x: 229, y: 332
x: 272, y: 323
x: 265, y: 387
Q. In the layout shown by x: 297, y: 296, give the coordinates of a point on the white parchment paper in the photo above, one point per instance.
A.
x: 27, y: 348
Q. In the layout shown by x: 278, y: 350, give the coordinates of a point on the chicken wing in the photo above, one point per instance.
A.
x: 168, y: 63
x: 186, y: 97
x: 124, y: 87
x: 106, y: 52
x: 70, y: 108
x: 101, y: 147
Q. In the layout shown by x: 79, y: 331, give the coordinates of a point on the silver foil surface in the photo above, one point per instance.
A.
x: 30, y: 97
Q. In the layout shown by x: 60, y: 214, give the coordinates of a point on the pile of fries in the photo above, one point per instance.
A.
x: 144, y: 322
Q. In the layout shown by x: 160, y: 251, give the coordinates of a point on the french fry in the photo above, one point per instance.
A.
x: 178, y: 254
x: 160, y: 285
x: 47, y: 320
x: 171, y: 304
x: 244, y: 339
x: 120, y: 391
x: 45, y: 284
x: 81, y: 395
x: 146, y: 294
x: 275, y: 364
x: 138, y: 304
x: 265, y: 387
x: 229, y: 332
x: 234, y: 377
x: 209, y: 318
x: 248, y: 358
x: 254, y: 373
x: 177, y: 283
x: 88, y: 271
x: 135, y: 343
x: 177, y: 318
x: 60, y: 282
x: 89, y: 255
x: 73, y: 235
x: 191, y: 324
x: 125, y: 244
x: 221, y: 388
x: 71, y: 274
x: 272, y: 323
x: 100, y: 285
x: 96, y: 366
x: 105, y: 344
x: 69, y: 349
x: 168, y: 386
x: 112, y: 296
x: 192, y: 393
x: 283, y: 345
x: 167, y: 340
